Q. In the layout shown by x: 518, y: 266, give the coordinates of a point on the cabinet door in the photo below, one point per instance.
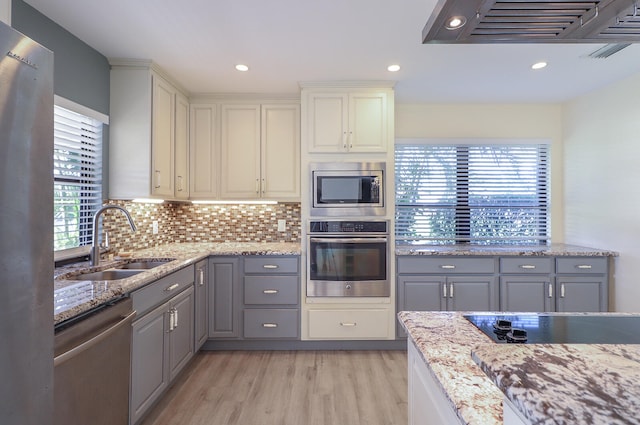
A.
x: 526, y: 293
x: 367, y: 122
x: 149, y: 361
x: 201, y: 300
x: 419, y: 293
x: 471, y: 293
x: 584, y: 293
x: 280, y: 152
x: 182, y: 148
x: 327, y: 121
x: 240, y: 152
x: 181, y: 336
x: 204, y: 151
x: 224, y: 298
x: 162, y: 137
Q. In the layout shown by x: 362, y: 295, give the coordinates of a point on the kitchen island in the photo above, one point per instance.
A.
x: 546, y: 383
x: 75, y: 297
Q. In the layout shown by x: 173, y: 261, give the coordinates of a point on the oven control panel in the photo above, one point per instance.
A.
x: 352, y: 226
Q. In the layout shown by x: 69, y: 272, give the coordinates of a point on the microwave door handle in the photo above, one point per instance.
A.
x: 350, y: 240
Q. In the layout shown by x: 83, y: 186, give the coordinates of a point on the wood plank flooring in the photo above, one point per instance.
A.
x: 288, y: 388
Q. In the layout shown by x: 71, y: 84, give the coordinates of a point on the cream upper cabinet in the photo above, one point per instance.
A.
x: 204, y: 151
x: 148, y: 134
x: 259, y: 151
x: 340, y: 121
x: 182, y: 148
x: 163, y: 137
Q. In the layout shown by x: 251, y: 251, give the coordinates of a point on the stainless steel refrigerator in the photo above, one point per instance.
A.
x: 26, y: 230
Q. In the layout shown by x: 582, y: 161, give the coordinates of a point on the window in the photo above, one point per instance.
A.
x: 477, y: 194
x: 77, y: 175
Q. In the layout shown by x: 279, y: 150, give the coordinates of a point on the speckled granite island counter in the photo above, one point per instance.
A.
x: 467, y: 374
x: 565, y: 383
x: 74, y: 297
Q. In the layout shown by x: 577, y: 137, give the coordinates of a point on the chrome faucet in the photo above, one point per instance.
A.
x: 94, y: 256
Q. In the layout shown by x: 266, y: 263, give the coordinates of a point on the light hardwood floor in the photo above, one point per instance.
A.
x: 288, y: 388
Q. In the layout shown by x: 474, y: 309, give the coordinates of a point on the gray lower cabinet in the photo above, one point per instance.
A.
x: 163, y: 336
x: 271, y: 297
x: 563, y: 284
x: 225, y: 297
x: 446, y: 284
x: 582, y: 284
x: 201, y: 298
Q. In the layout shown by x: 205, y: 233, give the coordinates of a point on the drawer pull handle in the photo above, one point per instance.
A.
x: 270, y: 291
x: 270, y: 266
x: 562, y: 290
x: 172, y: 287
x: 447, y: 266
x: 348, y: 325
x: 527, y: 266
x: 550, y: 290
x: 269, y: 325
x: 201, y: 276
x: 584, y: 266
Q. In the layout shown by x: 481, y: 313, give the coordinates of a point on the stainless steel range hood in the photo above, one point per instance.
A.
x: 534, y: 21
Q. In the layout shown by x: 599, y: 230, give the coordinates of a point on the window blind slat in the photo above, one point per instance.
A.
x: 77, y: 177
x: 474, y: 194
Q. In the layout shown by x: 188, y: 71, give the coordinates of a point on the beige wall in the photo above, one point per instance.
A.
x: 454, y: 121
x: 602, y: 176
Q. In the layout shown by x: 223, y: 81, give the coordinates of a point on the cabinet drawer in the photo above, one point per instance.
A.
x: 271, y: 264
x: 349, y: 324
x: 444, y: 265
x: 526, y: 265
x: 271, y: 289
x: 161, y: 290
x: 271, y: 323
x: 581, y: 265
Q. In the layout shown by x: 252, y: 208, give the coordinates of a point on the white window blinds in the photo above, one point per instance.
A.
x: 77, y: 173
x: 478, y: 194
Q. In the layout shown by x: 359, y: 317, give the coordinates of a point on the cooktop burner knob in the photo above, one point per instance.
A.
x: 517, y: 336
x: 502, y: 326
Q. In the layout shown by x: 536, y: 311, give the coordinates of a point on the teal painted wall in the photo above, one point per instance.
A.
x: 81, y: 73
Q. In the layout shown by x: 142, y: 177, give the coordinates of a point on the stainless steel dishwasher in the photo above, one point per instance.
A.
x: 92, y: 365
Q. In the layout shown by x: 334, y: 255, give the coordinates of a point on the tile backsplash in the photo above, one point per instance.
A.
x: 185, y: 222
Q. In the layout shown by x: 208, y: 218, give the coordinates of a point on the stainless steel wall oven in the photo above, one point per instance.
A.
x: 348, y: 259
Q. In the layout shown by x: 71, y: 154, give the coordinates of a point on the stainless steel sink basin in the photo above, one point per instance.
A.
x: 144, y: 265
x: 111, y: 274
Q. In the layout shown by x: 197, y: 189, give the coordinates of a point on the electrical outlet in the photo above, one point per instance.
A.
x: 282, y: 225
x: 155, y: 227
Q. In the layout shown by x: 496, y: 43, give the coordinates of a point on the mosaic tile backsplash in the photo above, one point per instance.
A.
x: 183, y: 222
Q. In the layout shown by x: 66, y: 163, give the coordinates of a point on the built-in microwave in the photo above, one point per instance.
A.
x: 347, y: 188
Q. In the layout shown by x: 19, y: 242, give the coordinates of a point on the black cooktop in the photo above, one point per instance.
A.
x: 560, y: 329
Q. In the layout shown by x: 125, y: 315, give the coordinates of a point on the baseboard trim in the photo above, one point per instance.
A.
x: 223, y: 345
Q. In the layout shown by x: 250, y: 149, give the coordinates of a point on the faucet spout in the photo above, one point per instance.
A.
x: 94, y: 256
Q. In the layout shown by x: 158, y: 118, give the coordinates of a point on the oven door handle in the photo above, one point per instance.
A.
x: 349, y: 240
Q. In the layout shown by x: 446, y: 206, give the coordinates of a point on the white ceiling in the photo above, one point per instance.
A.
x: 199, y: 42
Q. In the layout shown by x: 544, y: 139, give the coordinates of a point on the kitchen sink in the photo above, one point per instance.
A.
x: 144, y: 265
x: 111, y: 274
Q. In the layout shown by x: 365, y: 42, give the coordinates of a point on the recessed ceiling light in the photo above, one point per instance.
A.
x: 538, y: 65
x: 241, y: 67
x: 393, y: 68
x: 455, y: 22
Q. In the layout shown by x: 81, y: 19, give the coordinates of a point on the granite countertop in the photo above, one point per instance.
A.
x: 567, y: 383
x: 547, y: 383
x: 74, y: 297
x: 445, y: 340
x: 556, y: 250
